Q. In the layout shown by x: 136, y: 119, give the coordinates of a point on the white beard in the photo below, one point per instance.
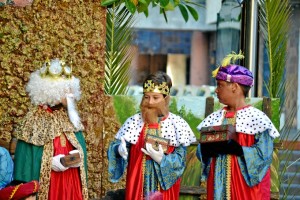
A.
x: 72, y: 112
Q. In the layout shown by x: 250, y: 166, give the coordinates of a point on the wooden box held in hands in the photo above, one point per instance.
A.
x: 217, y: 133
x: 70, y: 160
x: 156, y: 141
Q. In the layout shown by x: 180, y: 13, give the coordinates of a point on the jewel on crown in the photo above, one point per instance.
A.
x: 55, y: 69
x: 162, y: 88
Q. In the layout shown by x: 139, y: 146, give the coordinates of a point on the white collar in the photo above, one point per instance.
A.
x: 249, y: 120
x: 173, y: 127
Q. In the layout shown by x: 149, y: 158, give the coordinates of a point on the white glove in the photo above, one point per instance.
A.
x: 122, y: 149
x: 73, y: 152
x: 155, y: 155
x: 56, y: 164
x: 72, y: 111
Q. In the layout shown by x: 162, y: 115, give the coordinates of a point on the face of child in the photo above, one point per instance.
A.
x: 224, y: 91
x: 153, y: 105
x: 153, y: 97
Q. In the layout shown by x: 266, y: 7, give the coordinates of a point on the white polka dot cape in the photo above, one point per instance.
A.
x: 249, y: 120
x: 173, y: 127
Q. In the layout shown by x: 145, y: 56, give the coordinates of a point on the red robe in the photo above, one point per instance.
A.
x: 239, y: 188
x: 64, y: 185
x: 134, y: 180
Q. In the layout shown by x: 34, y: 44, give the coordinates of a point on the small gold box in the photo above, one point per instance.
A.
x: 156, y: 141
x: 217, y: 133
x: 70, y: 160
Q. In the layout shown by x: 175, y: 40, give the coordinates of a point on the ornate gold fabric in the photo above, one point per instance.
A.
x: 45, y: 172
x: 40, y: 126
x: 72, y: 138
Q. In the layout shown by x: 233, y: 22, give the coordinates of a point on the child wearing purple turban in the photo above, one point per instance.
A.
x: 241, y: 168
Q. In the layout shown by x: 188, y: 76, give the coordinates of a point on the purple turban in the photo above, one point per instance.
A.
x: 235, y: 74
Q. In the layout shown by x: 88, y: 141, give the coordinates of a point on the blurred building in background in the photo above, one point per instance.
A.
x: 190, y: 51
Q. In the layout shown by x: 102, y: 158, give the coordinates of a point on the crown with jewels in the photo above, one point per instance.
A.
x: 55, y: 69
x: 162, y: 88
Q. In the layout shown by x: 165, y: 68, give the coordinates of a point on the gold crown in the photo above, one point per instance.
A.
x: 55, y: 68
x: 162, y: 88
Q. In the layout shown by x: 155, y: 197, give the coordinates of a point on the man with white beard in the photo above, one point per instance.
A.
x: 151, y: 145
x: 50, y: 133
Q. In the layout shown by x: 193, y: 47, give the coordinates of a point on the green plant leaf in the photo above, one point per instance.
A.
x: 148, y: 1
x: 130, y: 6
x: 146, y: 13
x: 274, y: 18
x: 194, y: 3
x: 143, y: 2
x: 176, y: 2
x: 163, y: 3
x: 171, y: 5
x: 184, y: 12
x: 143, y: 6
x: 193, y: 12
x: 107, y: 2
x: 165, y: 15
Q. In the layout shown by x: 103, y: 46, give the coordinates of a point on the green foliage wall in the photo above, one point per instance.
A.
x: 71, y: 30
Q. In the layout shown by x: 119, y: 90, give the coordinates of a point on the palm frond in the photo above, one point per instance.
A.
x: 118, y: 54
x: 274, y: 17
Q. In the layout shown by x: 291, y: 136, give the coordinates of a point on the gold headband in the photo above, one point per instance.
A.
x: 55, y: 70
x: 162, y: 88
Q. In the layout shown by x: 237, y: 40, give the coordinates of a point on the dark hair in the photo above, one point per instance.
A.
x: 245, y: 89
